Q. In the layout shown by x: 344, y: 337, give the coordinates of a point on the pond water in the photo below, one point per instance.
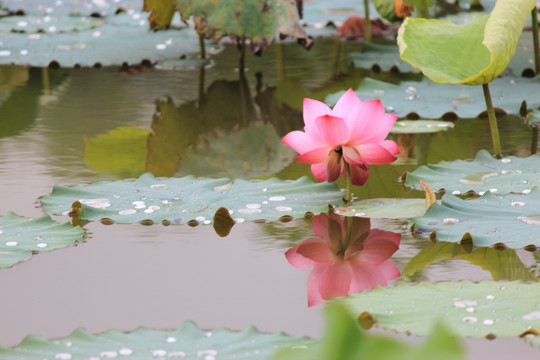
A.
x: 125, y: 276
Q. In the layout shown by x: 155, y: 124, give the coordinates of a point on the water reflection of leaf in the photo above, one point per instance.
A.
x: 503, y: 265
x: 346, y: 257
x: 175, y: 129
x: 120, y: 152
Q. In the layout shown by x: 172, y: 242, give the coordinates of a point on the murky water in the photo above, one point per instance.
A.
x: 125, y: 276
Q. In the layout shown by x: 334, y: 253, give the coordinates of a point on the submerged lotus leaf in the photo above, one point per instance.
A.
x: 187, y: 342
x: 384, y: 208
x: 431, y: 100
x: 21, y: 237
x: 344, y: 340
x: 111, y: 41
x: 502, y: 264
x: 420, y: 126
x: 512, y: 220
x: 503, y: 309
x: 473, y: 53
x: 485, y: 173
x: 120, y: 152
x: 178, y: 200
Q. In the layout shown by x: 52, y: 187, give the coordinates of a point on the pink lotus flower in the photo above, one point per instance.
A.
x: 339, y: 268
x: 353, y: 131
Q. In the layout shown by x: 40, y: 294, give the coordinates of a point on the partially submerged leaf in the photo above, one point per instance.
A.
x: 486, y: 45
x: 188, y: 341
x: 503, y: 309
x: 384, y: 208
x: 510, y: 219
x: 485, y: 173
x: 178, y: 200
x: 420, y: 126
x: 20, y: 237
x: 430, y: 195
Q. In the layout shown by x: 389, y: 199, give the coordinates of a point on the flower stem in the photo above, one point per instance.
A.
x: 367, y: 22
x: 349, y: 183
x: 492, y: 122
x: 535, y: 41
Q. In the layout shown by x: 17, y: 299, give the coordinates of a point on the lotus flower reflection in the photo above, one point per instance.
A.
x: 345, y: 261
x: 347, y: 138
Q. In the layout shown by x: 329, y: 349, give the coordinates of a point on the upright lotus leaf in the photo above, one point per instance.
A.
x: 503, y: 265
x: 121, y: 152
x: 178, y: 200
x: 161, y: 13
x: 474, y: 53
x: 422, y: 6
x: 21, y: 237
x: 512, y: 220
x: 186, y: 342
x: 485, y: 173
x: 256, y: 20
x: 344, y: 340
x: 502, y: 309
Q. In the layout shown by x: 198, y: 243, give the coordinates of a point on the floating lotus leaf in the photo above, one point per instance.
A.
x: 344, y: 340
x: 534, y: 118
x: 485, y: 173
x: 420, y: 126
x: 21, y: 237
x: 503, y: 309
x: 383, y: 56
x: 178, y: 200
x: 512, y: 220
x: 486, y: 45
x: 55, y: 7
x: 384, y: 208
x: 121, y: 151
x: 187, y: 342
x: 29, y: 24
x: 431, y: 100
x: 120, y: 38
x: 502, y: 264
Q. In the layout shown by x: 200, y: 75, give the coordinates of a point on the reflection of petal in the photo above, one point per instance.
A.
x: 298, y: 260
x: 379, y: 246
x: 316, y: 250
x: 314, y: 296
x: 367, y: 276
x: 335, y: 281
x: 389, y: 270
x: 320, y: 226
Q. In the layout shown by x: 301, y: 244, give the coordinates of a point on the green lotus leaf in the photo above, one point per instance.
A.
x: 387, y: 9
x: 485, y: 173
x: 161, y: 13
x: 21, y: 237
x: 178, y: 200
x: 188, y: 341
x: 474, y: 53
x: 383, y: 56
x: 503, y: 309
x: 503, y: 265
x: 257, y: 20
x: 420, y: 126
x: 384, y: 208
x: 121, y: 151
x: 511, y: 219
x: 344, y: 340
x: 431, y: 100
x: 120, y: 38
x: 85, y: 8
